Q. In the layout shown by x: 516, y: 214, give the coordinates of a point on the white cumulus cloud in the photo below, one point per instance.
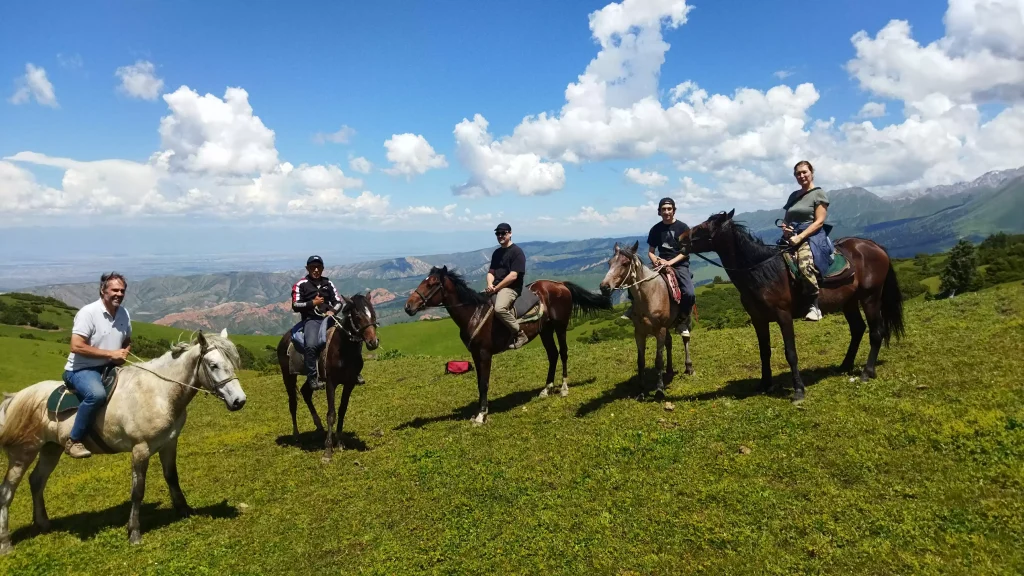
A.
x: 360, y: 164
x: 139, y: 80
x: 342, y: 136
x: 34, y: 85
x: 411, y: 154
x: 214, y: 135
x: 872, y: 110
x: 646, y: 178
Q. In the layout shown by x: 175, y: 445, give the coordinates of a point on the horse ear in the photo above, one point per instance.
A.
x: 224, y: 333
x: 616, y: 247
x: 636, y: 246
x: 201, y: 339
x: 731, y: 213
x: 445, y: 269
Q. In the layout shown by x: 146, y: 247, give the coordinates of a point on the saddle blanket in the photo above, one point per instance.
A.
x: 669, y: 274
x: 62, y: 399
x: 527, y: 307
x: 297, y: 358
x: 840, y: 268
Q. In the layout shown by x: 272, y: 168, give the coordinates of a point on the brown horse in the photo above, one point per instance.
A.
x: 485, y: 337
x: 358, y: 324
x: 760, y: 274
x: 654, y: 312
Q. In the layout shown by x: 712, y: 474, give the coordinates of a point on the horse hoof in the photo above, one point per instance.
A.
x: 479, y: 420
x: 325, y: 459
x: 659, y: 394
x: 5, y: 547
x: 543, y: 393
x: 42, y: 525
x: 185, y: 511
x: 798, y: 397
x: 563, y: 392
x: 135, y: 538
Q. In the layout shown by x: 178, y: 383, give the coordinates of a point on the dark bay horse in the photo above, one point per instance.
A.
x: 358, y: 325
x: 760, y: 274
x: 484, y: 336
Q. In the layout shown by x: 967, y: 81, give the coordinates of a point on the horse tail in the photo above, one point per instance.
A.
x: 892, y: 307
x: 584, y: 302
x: 19, y: 420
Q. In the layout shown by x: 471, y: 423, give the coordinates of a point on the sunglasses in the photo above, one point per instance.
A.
x: 500, y: 234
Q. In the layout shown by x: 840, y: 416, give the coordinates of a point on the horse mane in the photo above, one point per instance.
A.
x: 225, y: 346
x: 466, y: 294
x: 764, y: 262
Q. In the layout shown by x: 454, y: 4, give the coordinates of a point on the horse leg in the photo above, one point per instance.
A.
x: 169, y: 463
x: 873, y: 311
x: 346, y: 392
x: 140, y: 465
x: 641, y: 357
x: 331, y: 415
x: 852, y: 313
x: 307, y: 395
x: 18, y: 460
x: 293, y: 402
x: 686, y: 350
x: 483, y: 377
x: 670, y: 372
x: 659, y: 363
x: 563, y: 351
x: 764, y: 346
x: 549, y: 346
x: 789, y: 338
x: 49, y: 456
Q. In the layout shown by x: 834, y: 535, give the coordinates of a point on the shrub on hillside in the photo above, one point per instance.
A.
x: 390, y: 354
x: 961, y: 271
x: 27, y: 336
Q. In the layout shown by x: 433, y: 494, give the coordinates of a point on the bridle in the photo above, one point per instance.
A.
x: 444, y: 296
x: 711, y: 238
x: 356, y: 332
x: 215, y: 384
x: 635, y: 265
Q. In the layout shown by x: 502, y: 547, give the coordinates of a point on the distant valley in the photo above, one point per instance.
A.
x: 257, y: 302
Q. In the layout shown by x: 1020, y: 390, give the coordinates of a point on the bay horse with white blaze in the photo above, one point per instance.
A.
x: 344, y: 362
x: 760, y: 274
x: 485, y: 337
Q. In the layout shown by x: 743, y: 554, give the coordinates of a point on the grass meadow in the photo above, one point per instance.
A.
x: 920, y: 471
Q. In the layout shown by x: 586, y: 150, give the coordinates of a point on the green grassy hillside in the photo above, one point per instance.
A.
x: 918, y: 471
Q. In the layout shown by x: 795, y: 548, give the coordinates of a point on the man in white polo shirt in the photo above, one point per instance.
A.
x: 100, y: 337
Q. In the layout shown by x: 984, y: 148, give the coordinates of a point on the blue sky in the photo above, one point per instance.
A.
x: 774, y: 82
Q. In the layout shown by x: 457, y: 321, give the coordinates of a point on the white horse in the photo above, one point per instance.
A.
x: 143, y: 415
x: 654, y: 311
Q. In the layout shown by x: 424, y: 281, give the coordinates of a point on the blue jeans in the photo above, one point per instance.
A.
x: 314, y: 343
x: 87, y: 384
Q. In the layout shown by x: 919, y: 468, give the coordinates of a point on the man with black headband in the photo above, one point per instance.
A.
x: 664, y: 237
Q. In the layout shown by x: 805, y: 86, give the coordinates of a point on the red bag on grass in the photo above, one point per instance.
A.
x: 457, y: 367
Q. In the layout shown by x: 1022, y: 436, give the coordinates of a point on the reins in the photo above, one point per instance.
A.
x: 779, y: 250
x: 200, y: 365
x: 632, y: 270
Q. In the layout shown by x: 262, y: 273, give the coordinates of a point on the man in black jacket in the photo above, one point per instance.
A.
x: 315, y: 298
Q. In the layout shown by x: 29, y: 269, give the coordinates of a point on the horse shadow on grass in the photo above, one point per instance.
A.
x: 506, y: 403
x: 86, y: 525
x: 629, y: 388
x: 313, y: 441
x: 782, y: 385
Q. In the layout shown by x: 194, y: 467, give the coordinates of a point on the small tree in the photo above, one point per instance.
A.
x: 961, y: 271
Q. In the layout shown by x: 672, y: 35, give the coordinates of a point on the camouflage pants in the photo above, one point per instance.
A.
x: 805, y: 264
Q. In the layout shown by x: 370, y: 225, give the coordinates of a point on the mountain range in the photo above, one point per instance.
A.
x: 257, y: 302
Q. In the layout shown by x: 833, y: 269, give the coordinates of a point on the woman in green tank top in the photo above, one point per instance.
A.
x: 806, y: 211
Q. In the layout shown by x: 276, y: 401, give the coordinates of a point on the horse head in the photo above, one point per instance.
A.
x: 621, y: 266
x: 701, y: 237
x: 218, y: 360
x: 430, y: 292
x: 361, y: 319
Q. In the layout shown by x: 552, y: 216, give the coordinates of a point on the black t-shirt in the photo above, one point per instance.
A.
x: 666, y: 238
x: 511, y: 259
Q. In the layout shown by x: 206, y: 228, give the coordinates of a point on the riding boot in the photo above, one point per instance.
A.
x: 814, y: 314
x: 521, y: 341
x: 76, y: 449
x: 628, y: 314
x: 312, y: 377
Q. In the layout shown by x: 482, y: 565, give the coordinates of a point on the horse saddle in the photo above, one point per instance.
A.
x: 297, y: 357
x: 838, y: 272
x: 672, y: 281
x: 527, y: 308
x: 64, y: 399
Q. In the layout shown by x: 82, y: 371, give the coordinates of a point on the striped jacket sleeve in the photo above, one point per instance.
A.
x: 339, y: 301
x: 297, y: 304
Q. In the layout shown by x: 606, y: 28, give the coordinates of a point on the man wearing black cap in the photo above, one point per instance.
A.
x: 505, y: 278
x: 664, y: 237
x: 316, y: 298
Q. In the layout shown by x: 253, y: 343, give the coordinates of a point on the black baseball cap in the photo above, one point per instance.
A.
x: 314, y: 260
x: 503, y: 227
x: 668, y: 201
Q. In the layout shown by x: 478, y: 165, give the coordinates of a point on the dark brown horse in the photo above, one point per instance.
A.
x: 358, y: 324
x: 760, y: 274
x: 485, y: 337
